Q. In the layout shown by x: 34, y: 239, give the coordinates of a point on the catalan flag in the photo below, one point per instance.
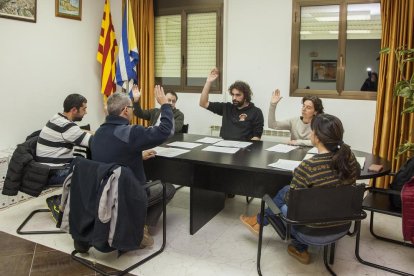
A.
x: 128, y: 53
x: 107, y: 51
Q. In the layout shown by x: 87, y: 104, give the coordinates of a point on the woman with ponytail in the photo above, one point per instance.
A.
x: 333, y: 166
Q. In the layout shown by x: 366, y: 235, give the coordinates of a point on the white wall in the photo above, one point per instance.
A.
x: 41, y: 63
x: 257, y: 41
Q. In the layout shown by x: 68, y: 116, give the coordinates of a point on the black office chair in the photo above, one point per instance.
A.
x: 379, y: 201
x: 42, y: 173
x: 184, y: 129
x: 315, y: 205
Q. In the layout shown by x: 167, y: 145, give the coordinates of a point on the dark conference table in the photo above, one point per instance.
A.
x: 212, y: 175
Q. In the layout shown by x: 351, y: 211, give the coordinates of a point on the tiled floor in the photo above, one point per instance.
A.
x: 222, y: 247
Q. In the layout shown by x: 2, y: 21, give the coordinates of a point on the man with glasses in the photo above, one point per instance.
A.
x: 153, y: 115
x: 116, y: 141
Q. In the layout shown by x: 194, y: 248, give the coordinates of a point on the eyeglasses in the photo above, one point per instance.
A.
x: 130, y: 106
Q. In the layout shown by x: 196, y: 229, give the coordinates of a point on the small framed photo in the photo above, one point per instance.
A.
x: 71, y: 9
x: 323, y: 70
x: 19, y: 10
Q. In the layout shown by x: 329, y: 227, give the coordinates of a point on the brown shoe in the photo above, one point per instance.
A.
x: 302, y: 257
x: 251, y: 223
x: 147, y: 240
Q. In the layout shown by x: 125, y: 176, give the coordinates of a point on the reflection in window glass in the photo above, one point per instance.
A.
x: 318, y: 46
x: 168, y: 49
x: 362, y: 47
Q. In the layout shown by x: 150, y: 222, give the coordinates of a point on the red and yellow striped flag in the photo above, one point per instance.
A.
x: 107, y: 50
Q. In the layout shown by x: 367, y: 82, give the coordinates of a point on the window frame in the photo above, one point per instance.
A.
x: 339, y: 93
x: 184, y: 11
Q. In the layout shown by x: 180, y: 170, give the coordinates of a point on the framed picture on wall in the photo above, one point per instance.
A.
x: 323, y: 70
x: 19, y: 10
x: 71, y: 9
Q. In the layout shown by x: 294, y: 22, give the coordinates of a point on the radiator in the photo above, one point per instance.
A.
x: 280, y: 136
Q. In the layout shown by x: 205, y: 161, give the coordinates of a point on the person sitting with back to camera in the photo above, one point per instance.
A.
x: 334, y: 165
x: 299, y: 127
x: 153, y: 115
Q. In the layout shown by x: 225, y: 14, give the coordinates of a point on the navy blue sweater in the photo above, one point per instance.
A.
x: 115, y: 141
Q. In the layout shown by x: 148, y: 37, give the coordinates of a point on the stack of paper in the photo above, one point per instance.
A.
x: 282, y: 148
x: 361, y: 161
x: 234, y: 144
x: 186, y: 145
x: 284, y: 164
x: 169, y: 152
x: 209, y: 140
x: 221, y: 149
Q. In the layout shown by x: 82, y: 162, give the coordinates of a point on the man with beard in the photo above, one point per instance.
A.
x: 57, y: 139
x: 241, y: 119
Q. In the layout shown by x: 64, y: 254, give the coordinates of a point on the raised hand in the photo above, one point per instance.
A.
x: 213, y: 75
x: 159, y: 95
x: 275, y: 97
x: 136, y: 94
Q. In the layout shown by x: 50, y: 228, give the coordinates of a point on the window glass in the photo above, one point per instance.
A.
x: 318, y: 47
x: 201, y: 46
x: 168, y: 49
x: 362, y: 47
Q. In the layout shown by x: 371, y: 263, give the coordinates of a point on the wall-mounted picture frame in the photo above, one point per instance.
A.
x: 323, y: 70
x: 71, y: 9
x: 19, y: 10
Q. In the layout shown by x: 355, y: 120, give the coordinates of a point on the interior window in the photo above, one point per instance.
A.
x: 335, y: 49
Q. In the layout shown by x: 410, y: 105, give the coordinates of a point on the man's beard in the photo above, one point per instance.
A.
x: 238, y: 104
x: 77, y: 119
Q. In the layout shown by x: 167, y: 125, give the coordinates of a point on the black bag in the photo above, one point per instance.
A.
x: 403, y: 175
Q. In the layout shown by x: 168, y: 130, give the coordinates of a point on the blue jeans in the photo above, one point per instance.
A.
x: 299, y: 240
x: 58, y: 176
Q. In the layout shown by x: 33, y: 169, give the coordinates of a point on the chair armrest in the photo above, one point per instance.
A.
x: 272, y: 206
x: 384, y: 191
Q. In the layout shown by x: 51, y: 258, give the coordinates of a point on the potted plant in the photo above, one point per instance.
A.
x: 405, y: 87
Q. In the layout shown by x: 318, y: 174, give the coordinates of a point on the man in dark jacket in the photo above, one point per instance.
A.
x: 153, y: 115
x: 116, y: 141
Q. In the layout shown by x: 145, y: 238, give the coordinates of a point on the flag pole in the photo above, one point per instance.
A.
x: 127, y: 23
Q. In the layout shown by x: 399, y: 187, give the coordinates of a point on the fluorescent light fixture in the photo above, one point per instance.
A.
x: 353, y: 32
x: 355, y: 17
x: 305, y: 32
x: 358, y: 31
x: 327, y: 18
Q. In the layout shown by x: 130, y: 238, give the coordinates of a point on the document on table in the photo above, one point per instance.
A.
x: 281, y: 148
x: 284, y: 164
x: 361, y: 161
x: 209, y: 140
x: 186, y: 145
x: 221, y: 149
x: 234, y: 144
x: 313, y: 150
x: 169, y: 152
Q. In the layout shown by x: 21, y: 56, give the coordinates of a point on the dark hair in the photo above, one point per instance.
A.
x: 317, y: 103
x: 73, y: 100
x: 244, y: 88
x: 330, y: 132
x: 172, y: 93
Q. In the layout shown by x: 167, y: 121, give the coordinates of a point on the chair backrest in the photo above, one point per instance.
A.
x: 184, y: 129
x: 326, y: 204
